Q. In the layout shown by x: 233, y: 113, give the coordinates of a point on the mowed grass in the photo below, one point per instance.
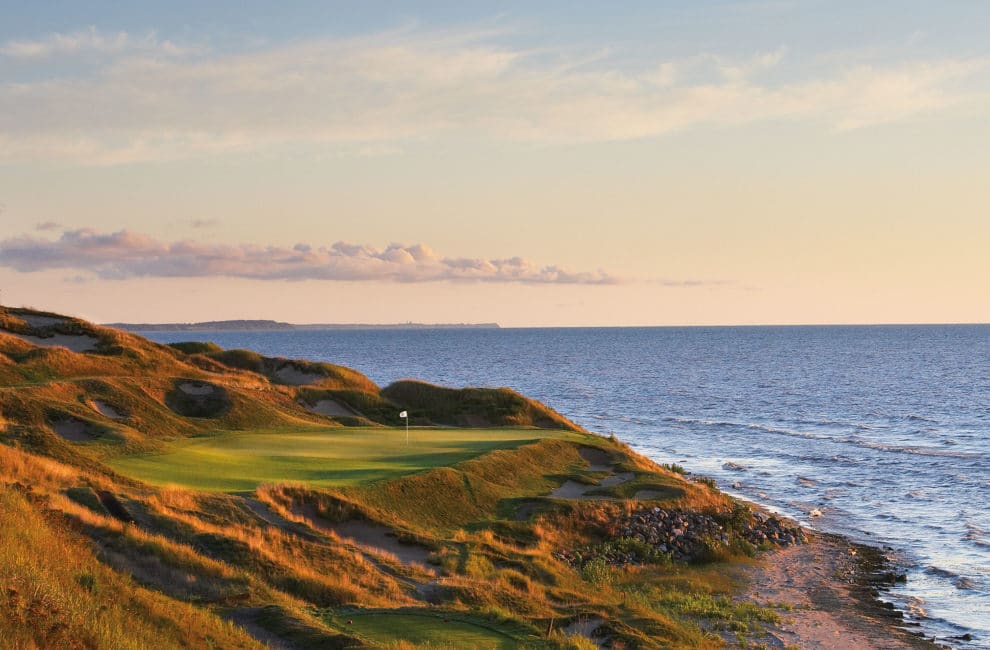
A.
x: 240, y: 461
x: 430, y: 628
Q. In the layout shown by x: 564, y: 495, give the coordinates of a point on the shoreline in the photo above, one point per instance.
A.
x: 830, y: 590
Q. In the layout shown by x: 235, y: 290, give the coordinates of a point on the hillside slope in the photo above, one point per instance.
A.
x: 533, y: 535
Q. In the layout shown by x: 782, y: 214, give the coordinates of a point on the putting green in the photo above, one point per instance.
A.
x: 433, y: 629
x: 234, y: 462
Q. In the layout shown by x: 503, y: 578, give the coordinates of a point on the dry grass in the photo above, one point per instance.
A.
x: 57, y: 595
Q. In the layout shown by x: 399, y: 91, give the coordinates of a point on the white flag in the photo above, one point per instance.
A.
x: 404, y: 414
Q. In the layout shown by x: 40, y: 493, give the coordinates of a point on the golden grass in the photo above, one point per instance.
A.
x: 57, y: 595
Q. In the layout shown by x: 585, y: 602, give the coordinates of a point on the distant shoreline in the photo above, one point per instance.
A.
x: 271, y: 325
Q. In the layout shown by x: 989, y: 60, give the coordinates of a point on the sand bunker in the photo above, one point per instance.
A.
x: 108, y: 411
x: 382, y: 538
x: 291, y: 375
x: 598, y: 460
x: 574, y: 490
x: 197, y: 388
x: 330, y: 407
x: 616, y: 479
x: 586, y: 626
x: 72, y: 429
x: 525, y: 511
x: 74, y: 342
x: 198, y: 399
x: 36, y: 320
x: 368, y: 534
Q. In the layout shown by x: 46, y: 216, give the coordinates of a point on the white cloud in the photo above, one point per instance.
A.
x: 88, y: 41
x: 373, y: 94
x: 125, y: 254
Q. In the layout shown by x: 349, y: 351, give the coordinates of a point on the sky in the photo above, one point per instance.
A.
x: 532, y: 164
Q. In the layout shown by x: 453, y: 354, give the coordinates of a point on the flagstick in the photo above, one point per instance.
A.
x: 407, y: 430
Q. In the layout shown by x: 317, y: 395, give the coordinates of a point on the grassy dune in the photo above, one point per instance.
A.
x: 188, y: 496
x: 240, y: 461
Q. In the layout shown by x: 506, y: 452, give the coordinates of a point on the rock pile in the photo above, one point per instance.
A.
x: 766, y: 528
x: 658, y: 534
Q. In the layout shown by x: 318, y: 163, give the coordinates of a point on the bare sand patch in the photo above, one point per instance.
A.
x: 197, y: 388
x: 74, y: 342
x: 290, y: 374
x: 264, y: 512
x: 331, y: 408
x: 616, y: 479
x: 585, y: 626
x: 108, y: 411
x: 37, y: 320
x: 598, y: 460
x: 368, y: 534
x: 817, y: 581
x: 572, y: 490
x: 72, y: 429
x: 382, y: 538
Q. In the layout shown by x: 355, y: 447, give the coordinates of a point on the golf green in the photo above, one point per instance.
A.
x: 432, y: 629
x: 240, y: 461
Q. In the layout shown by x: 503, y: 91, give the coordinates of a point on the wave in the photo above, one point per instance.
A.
x: 976, y: 535
x: 906, y: 449
x: 851, y: 440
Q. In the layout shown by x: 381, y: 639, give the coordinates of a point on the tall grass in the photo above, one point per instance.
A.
x: 57, y: 595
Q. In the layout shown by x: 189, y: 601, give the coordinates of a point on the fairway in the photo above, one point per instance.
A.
x: 236, y: 462
x: 429, y: 628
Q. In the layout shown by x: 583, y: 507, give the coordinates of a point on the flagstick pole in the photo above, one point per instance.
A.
x: 407, y: 430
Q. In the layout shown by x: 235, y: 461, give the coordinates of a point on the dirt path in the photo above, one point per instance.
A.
x: 832, y: 608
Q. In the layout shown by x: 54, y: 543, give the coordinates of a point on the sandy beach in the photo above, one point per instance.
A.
x: 828, y: 588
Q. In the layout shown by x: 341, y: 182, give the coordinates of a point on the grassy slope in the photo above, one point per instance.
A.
x: 197, y: 555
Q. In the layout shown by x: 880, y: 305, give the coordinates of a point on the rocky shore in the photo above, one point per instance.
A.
x: 655, y: 534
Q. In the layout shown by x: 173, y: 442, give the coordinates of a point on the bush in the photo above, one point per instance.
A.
x: 597, y: 572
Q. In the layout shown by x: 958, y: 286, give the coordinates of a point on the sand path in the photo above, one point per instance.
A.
x: 830, y: 610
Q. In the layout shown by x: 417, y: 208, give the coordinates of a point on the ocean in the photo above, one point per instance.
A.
x: 883, y: 429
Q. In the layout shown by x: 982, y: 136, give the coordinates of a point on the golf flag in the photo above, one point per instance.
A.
x: 404, y: 414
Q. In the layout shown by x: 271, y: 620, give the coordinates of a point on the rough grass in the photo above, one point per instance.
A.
x: 473, y: 406
x: 57, y: 595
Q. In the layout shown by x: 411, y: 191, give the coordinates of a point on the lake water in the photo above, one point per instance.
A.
x: 884, y: 429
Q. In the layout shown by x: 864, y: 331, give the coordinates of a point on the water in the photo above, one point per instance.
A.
x: 884, y: 429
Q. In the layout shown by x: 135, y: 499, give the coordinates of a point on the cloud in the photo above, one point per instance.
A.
x: 88, y: 41
x: 204, y: 223
x: 374, y: 94
x: 125, y: 254
x: 48, y: 225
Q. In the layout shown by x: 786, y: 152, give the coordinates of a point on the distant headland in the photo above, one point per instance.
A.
x: 278, y: 325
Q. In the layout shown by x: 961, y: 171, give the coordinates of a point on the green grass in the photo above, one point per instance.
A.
x: 234, y: 462
x: 431, y: 628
